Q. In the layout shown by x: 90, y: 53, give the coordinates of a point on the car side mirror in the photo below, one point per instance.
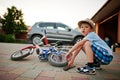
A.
x: 69, y: 29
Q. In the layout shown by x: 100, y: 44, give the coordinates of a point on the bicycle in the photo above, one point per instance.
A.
x: 55, y: 54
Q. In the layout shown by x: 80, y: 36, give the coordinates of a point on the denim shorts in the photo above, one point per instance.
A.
x: 101, y: 55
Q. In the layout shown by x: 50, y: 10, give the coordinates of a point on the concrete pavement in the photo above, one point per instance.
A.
x: 31, y: 68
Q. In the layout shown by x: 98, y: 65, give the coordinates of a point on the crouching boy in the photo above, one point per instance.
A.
x: 96, y: 50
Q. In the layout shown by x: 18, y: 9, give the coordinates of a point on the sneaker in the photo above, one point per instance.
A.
x: 87, y: 70
x: 97, y: 66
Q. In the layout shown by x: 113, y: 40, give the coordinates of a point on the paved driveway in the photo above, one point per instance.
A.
x: 32, y: 69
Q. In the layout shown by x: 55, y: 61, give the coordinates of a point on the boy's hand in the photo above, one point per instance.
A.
x: 68, y: 56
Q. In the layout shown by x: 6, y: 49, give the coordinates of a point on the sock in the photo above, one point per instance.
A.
x: 91, y: 65
x: 95, y: 62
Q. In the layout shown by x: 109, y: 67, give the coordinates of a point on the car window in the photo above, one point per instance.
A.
x: 62, y: 27
x: 47, y: 25
x: 42, y: 25
x: 50, y: 27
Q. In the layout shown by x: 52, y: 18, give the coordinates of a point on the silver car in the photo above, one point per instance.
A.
x: 54, y: 32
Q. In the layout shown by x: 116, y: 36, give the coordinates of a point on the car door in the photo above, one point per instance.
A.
x: 64, y: 32
x: 51, y: 32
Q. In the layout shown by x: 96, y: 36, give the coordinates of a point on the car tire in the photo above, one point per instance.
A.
x: 36, y: 40
x: 77, y: 39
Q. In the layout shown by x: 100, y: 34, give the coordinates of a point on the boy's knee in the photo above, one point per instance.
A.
x: 87, y: 44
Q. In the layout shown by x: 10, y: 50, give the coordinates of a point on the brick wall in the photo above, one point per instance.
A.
x: 21, y: 36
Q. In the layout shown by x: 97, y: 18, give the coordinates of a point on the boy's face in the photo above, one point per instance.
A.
x: 85, y: 29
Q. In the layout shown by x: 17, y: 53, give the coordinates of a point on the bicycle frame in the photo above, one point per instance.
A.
x: 44, y: 53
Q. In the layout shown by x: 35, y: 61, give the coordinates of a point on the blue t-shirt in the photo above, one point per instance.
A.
x: 94, y: 38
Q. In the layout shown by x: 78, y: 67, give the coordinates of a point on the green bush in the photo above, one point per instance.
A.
x: 10, y: 39
x: 7, y: 38
x: 2, y: 38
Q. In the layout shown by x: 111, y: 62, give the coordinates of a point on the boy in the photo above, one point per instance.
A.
x: 96, y: 50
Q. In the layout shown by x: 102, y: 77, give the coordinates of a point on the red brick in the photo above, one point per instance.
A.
x: 44, y: 78
x: 6, y: 68
x: 8, y: 76
x: 78, y: 78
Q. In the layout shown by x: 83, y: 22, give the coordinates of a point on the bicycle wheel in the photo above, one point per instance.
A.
x: 57, y: 60
x: 20, y: 54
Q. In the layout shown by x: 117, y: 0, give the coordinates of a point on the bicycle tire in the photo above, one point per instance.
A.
x: 20, y: 54
x: 53, y: 62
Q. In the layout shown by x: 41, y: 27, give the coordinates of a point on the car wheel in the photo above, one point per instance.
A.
x: 36, y: 40
x: 77, y: 39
